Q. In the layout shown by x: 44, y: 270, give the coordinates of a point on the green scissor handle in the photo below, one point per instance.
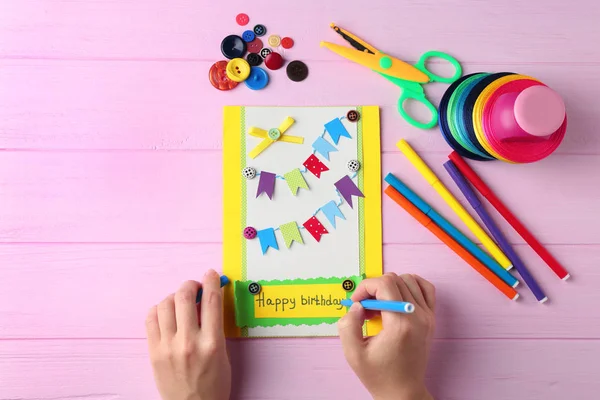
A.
x: 420, y: 97
x: 437, y: 78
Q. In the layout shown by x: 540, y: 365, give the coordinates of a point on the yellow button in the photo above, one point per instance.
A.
x: 274, y: 40
x: 238, y: 70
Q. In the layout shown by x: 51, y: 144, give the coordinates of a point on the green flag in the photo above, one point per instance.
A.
x: 290, y: 233
x: 295, y: 180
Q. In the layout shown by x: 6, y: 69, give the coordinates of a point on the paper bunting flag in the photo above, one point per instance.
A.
x: 336, y: 129
x: 331, y: 210
x: 314, y: 165
x: 267, y: 239
x: 347, y: 189
x: 315, y: 227
x: 266, y: 184
x: 290, y: 232
x: 323, y: 147
x: 295, y: 180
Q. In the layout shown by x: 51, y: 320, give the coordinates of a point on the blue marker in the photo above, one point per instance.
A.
x: 452, y: 231
x: 224, y: 281
x: 383, y: 305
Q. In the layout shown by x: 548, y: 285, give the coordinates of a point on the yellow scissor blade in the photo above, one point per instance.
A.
x: 398, y: 69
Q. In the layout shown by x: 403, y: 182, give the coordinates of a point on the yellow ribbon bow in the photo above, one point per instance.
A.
x: 272, y: 136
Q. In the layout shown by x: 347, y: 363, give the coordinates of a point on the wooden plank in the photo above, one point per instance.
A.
x: 171, y: 105
x: 511, y: 31
x: 104, y: 290
x: 175, y: 196
x: 119, y: 370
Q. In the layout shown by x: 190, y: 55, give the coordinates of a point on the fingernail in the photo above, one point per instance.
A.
x: 356, y: 306
x: 211, y: 272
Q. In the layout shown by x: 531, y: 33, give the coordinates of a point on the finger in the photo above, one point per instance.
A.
x: 211, y: 316
x: 185, y: 308
x: 152, y: 327
x: 404, y: 292
x: 382, y: 288
x: 166, y: 317
x: 351, y: 335
x: 415, y: 289
x: 428, y: 291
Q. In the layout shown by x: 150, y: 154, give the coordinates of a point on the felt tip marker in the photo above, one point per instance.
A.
x: 383, y: 305
x: 224, y: 281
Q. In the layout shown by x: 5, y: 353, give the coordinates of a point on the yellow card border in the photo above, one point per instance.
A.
x: 233, y: 188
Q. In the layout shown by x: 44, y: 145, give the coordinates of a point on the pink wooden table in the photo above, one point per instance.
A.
x: 110, y: 190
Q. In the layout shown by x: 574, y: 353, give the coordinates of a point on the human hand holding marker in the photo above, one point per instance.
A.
x: 392, y: 364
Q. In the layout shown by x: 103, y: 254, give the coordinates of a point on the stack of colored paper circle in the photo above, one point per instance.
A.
x: 502, y: 116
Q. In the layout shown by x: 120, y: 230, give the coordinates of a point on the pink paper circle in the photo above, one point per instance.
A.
x: 539, y: 110
x: 509, y: 140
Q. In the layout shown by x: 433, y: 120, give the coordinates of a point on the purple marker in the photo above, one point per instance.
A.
x: 473, y: 200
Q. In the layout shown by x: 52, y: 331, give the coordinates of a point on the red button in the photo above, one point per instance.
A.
x: 254, y: 46
x: 274, y: 61
x: 242, y: 19
x: 218, y: 76
x: 287, y: 42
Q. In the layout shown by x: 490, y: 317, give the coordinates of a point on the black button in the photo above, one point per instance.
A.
x: 233, y: 46
x: 348, y: 285
x: 254, y: 59
x: 265, y: 52
x: 260, y: 30
x: 352, y: 116
x: 297, y: 71
x: 254, y: 288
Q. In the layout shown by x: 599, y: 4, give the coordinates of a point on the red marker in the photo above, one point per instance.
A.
x: 486, y: 192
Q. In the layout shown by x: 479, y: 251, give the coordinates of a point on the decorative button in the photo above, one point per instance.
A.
x: 274, y: 134
x: 274, y: 40
x: 274, y: 61
x: 248, y: 36
x: 348, y: 285
x: 242, y: 19
x: 353, y: 116
x: 287, y: 42
x: 297, y: 71
x: 353, y: 165
x: 260, y: 30
x: 249, y: 173
x: 249, y: 232
x: 258, y: 78
x: 254, y: 288
x: 255, y: 46
x: 238, y: 70
x: 254, y: 59
x: 265, y: 52
x: 218, y: 76
x: 233, y: 46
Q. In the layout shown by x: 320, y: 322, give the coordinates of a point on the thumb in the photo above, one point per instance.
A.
x: 350, y: 331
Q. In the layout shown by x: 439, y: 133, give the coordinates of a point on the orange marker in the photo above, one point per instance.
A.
x: 508, y: 291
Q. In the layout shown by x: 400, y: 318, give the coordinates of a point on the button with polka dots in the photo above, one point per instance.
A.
x: 353, y: 116
x: 255, y: 46
x: 254, y: 59
x: 287, y: 42
x: 274, y: 134
x: 218, y: 76
x: 249, y: 232
x: 249, y: 173
x: 274, y: 40
x: 233, y: 46
x: 348, y: 285
x: 238, y: 70
x: 265, y: 52
x: 353, y: 165
x: 297, y: 71
x: 254, y: 288
x: 242, y: 19
x: 260, y: 30
x: 274, y: 61
x: 258, y: 79
x: 248, y: 36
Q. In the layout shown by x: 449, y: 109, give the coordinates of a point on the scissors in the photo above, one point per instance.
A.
x: 410, y: 78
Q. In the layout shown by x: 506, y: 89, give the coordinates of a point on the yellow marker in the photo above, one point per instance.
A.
x: 439, y: 187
